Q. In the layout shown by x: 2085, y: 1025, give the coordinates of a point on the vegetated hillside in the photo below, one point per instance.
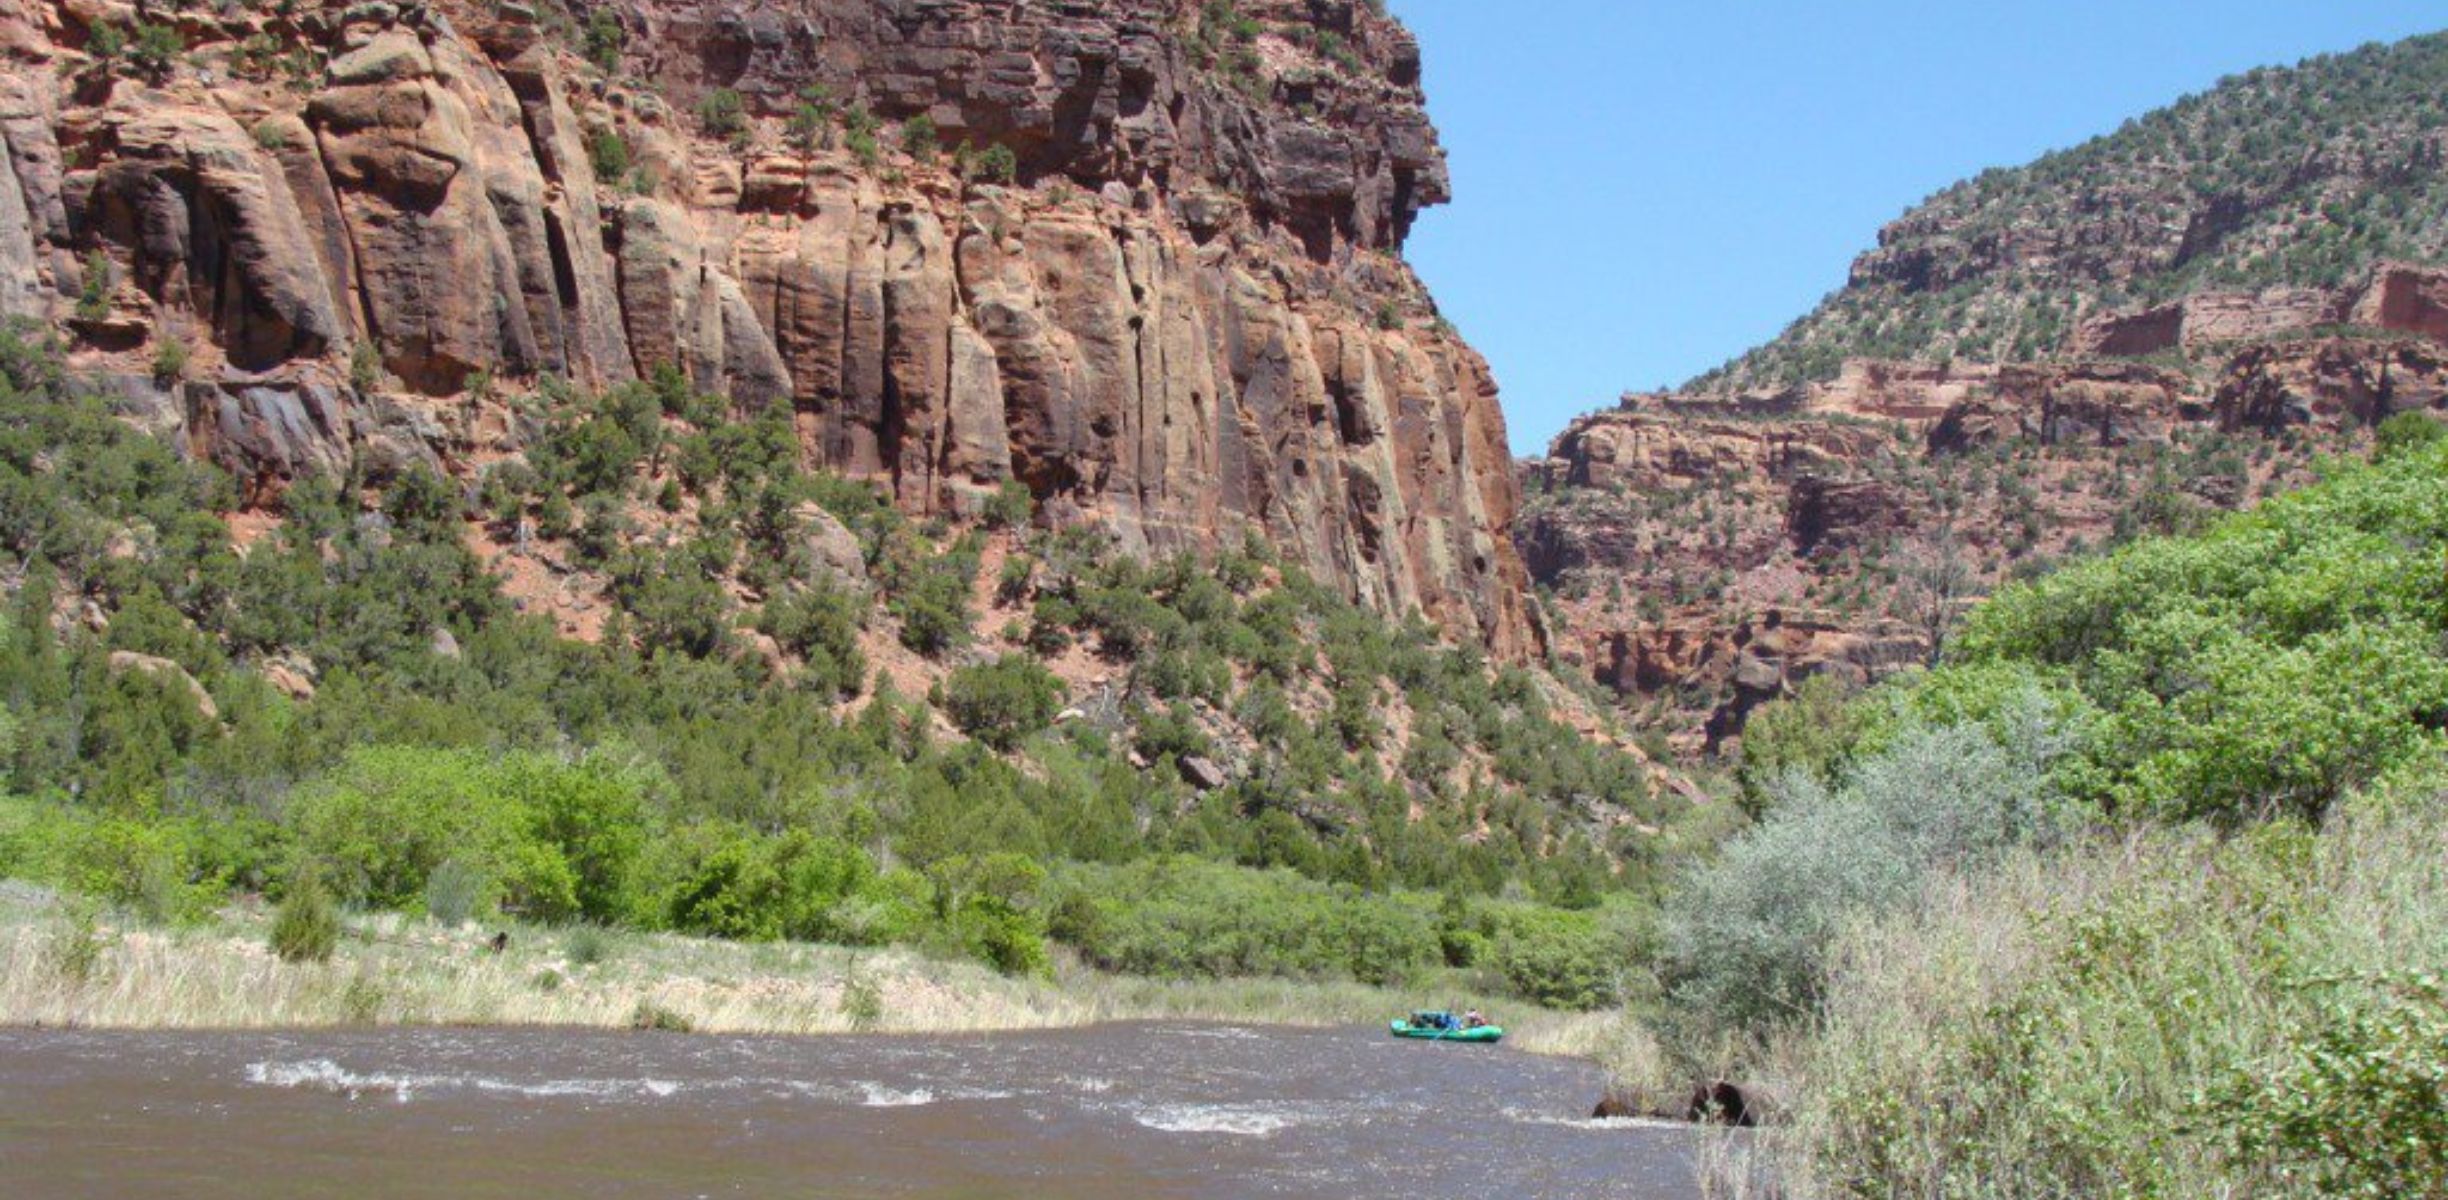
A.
x: 2303, y: 176
x: 2147, y: 877
x: 871, y: 472
x: 797, y: 713
x: 2170, y: 321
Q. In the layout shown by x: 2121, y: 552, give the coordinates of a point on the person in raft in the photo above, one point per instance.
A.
x: 1472, y: 1019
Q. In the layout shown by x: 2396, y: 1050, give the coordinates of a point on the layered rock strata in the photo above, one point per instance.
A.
x: 1710, y: 552
x: 1153, y: 272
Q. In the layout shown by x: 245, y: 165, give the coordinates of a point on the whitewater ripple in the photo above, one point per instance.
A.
x: 322, y: 1074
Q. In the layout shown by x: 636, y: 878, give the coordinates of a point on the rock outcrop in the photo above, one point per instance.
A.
x: 2330, y: 382
x: 2396, y: 298
x: 1710, y: 552
x: 1175, y: 307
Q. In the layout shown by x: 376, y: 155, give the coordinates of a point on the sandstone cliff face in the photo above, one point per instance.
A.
x: 1710, y: 552
x: 1183, y: 317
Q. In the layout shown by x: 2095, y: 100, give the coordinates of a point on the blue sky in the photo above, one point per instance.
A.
x: 1645, y: 189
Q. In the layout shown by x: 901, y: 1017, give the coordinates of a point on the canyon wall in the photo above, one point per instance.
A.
x: 1143, y: 257
x: 1710, y: 551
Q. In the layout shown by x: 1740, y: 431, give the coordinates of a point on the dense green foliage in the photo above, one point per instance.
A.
x: 2265, y: 667
x: 2225, y: 986
x: 457, y: 756
x: 2373, y: 1055
x: 2216, y: 190
x: 1175, y: 918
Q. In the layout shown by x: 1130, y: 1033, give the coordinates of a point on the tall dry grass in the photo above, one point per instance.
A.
x: 55, y: 970
x: 2054, y: 1027
x: 58, y: 968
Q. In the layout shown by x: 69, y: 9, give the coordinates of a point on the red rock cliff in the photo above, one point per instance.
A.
x: 1177, y: 309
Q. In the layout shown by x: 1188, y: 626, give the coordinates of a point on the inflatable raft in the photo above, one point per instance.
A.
x: 1443, y: 1027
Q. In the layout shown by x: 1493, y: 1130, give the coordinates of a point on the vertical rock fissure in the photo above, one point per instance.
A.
x: 367, y: 327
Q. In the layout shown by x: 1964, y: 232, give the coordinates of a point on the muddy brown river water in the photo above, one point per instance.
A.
x: 1135, y: 1110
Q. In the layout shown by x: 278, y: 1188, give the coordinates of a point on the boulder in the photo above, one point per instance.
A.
x: 124, y: 661
x: 835, y: 549
x: 292, y: 679
x: 1203, y: 773
x: 270, y: 432
x: 1722, y: 1102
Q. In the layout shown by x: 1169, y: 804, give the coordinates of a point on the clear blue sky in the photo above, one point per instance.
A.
x: 1645, y: 188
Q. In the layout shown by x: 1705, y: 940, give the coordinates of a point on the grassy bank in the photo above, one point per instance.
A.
x: 2172, y: 1013
x: 66, y: 964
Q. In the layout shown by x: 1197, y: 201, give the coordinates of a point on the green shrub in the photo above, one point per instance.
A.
x: 107, y: 43
x: 1010, y: 507
x: 734, y: 884
x: 992, y: 907
x: 557, y: 839
x: 603, y: 40
x: 2269, y: 665
x: 724, y: 113
x: 2357, y: 1104
x: 587, y: 945
x: 1746, y: 940
x: 930, y: 595
x: 94, y: 293
x: 1186, y: 918
x: 169, y: 359
x: 820, y: 624
x: 77, y: 945
x: 1003, y: 702
x: 307, y: 926
x: 156, y: 49
x: 365, y: 367
x: 813, y: 116
x: 998, y: 163
x: 2406, y: 432
x: 650, y: 1017
x: 1809, y: 732
x: 862, y: 1002
x: 919, y: 139
x: 1562, y: 960
x: 608, y: 155
x: 859, y: 135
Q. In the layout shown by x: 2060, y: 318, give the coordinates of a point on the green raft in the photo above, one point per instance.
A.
x: 1442, y: 1027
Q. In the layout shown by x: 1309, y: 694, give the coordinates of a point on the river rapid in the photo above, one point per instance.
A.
x: 1131, y: 1110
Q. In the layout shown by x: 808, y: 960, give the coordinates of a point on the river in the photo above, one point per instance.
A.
x: 1130, y: 1110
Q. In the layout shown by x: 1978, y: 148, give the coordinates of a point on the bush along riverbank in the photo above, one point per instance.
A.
x: 69, y: 962
x: 2144, y: 892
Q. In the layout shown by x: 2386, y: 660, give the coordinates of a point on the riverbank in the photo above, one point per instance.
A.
x: 62, y: 965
